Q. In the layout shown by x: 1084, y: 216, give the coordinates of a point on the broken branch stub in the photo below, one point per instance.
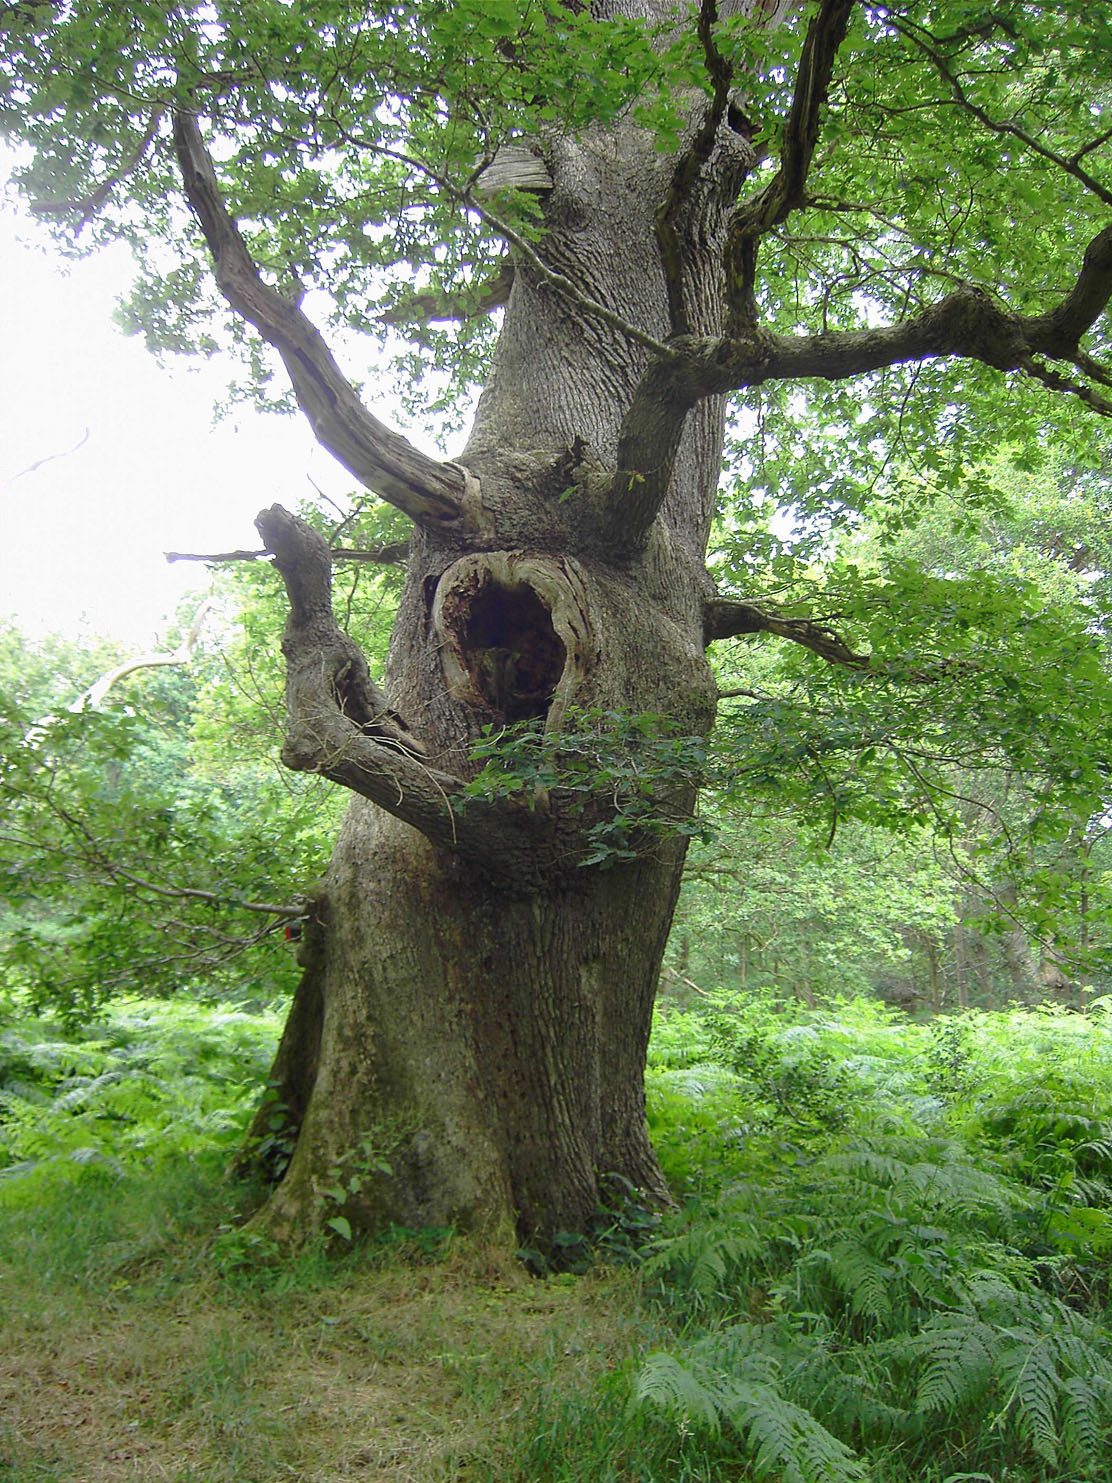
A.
x: 325, y: 669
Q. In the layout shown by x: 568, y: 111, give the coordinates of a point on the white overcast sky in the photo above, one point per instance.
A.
x: 82, y: 536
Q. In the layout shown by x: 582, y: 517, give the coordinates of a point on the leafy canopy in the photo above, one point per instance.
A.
x: 961, y: 145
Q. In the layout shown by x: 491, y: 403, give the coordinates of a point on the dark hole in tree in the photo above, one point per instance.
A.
x: 738, y: 121
x: 512, y: 652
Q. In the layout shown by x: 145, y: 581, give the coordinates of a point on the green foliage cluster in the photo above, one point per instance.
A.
x: 124, y: 868
x: 153, y: 1084
x: 900, y: 823
x: 151, y: 842
x: 895, y: 1249
x: 348, y: 139
x: 987, y: 637
x: 636, y: 773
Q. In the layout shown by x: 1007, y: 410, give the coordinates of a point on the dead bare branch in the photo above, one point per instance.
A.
x: 726, y: 618
x: 394, y: 554
x: 33, y: 468
x: 96, y: 693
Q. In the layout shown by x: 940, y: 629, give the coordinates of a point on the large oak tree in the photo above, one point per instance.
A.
x: 626, y: 222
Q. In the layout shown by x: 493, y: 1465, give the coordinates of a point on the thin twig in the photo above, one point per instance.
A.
x: 33, y: 468
x: 390, y: 555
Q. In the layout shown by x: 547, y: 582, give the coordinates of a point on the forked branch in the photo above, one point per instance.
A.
x: 968, y: 323
x: 725, y: 618
x: 787, y: 191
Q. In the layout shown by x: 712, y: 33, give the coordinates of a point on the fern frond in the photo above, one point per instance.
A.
x: 1083, y: 1409
x: 818, y: 1382
x: 785, y: 1442
x: 863, y: 1279
x: 704, y: 1257
x: 958, y: 1350
x: 991, y: 1293
x: 81, y: 1090
x: 664, y: 1383
x: 1029, y: 1368
x: 753, y: 1350
x: 713, y: 1260
x: 1081, y: 1356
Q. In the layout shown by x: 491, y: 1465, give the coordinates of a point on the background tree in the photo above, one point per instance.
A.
x: 894, y: 213
x: 991, y: 893
x: 127, y: 865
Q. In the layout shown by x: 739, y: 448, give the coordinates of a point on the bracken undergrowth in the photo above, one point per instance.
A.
x: 890, y: 1263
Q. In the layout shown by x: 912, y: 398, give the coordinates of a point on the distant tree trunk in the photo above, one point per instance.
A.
x: 934, y: 977
x: 982, y: 963
x: 1020, y: 962
x: 683, y: 957
x: 960, y: 967
x: 1053, y: 976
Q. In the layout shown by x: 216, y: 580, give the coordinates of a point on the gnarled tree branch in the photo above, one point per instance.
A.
x: 340, y: 725
x: 649, y: 438
x: 431, y: 493
x: 690, y: 165
x: 967, y: 323
x: 726, y: 618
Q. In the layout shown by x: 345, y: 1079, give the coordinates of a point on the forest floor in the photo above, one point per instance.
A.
x: 429, y: 1368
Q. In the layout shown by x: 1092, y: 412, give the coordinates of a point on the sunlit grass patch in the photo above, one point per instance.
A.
x: 403, y: 1372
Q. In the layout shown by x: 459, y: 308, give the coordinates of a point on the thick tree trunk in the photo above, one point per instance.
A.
x: 468, y: 1041
x: 467, y: 1044
x: 481, y: 1050
x: 467, y: 1047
